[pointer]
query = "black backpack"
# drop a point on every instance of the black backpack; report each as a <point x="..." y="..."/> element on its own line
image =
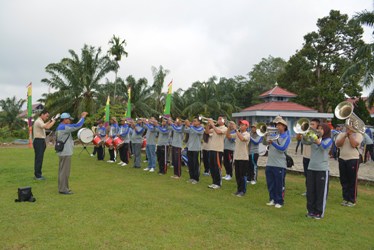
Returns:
<point x="25" y="194"/>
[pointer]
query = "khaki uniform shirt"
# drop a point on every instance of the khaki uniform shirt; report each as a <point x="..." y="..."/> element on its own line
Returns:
<point x="347" y="152"/>
<point x="216" y="143"/>
<point x="241" y="147"/>
<point x="39" y="131"/>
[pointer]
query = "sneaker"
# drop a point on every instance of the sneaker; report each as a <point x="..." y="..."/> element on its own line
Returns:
<point x="206" y="174"/>
<point x="159" y="173"/>
<point x="110" y="161"/>
<point x="236" y="193"/>
<point x="92" y="155"/>
<point x="350" y="204"/>
<point x="211" y="185"/>
<point x="228" y="178"/>
<point x="175" y="177"/>
<point x="270" y="203"/>
<point x="344" y="203"/>
<point x="194" y="182"/>
<point x="41" y="178"/>
<point x="216" y="186"/>
<point x="278" y="205"/>
<point x="303" y="194"/>
<point x="310" y="215"/>
<point x="120" y="163"/>
<point x="240" y="194"/>
<point x="152" y="170"/>
<point x="145" y="161"/>
<point x="146" y="169"/>
<point x="253" y="182"/>
<point x="317" y="216"/>
<point x="124" y="164"/>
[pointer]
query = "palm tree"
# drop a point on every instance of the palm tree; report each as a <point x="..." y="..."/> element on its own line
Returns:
<point x="117" y="50"/>
<point x="159" y="75"/>
<point x="11" y="108"/>
<point x="77" y="80"/>
<point x="363" y="60"/>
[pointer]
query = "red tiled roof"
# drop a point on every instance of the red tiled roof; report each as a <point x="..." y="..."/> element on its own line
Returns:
<point x="278" y="106"/>
<point x="278" y="91"/>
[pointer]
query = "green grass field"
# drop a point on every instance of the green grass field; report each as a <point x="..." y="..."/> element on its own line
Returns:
<point x="125" y="208"/>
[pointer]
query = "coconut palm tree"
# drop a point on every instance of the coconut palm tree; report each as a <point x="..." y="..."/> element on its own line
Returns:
<point x="77" y="80"/>
<point x="117" y="49"/>
<point x="11" y="108"/>
<point x="159" y="75"/>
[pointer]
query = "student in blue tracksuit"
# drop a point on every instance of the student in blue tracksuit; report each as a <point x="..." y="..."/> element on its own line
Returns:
<point x="101" y="132"/>
<point x="150" y="148"/>
<point x="137" y="140"/>
<point x="113" y="131"/>
<point x="162" y="146"/>
<point x="228" y="155"/>
<point x="123" y="150"/>
<point x="276" y="163"/>
<point x="253" y="155"/>
<point x="176" y="146"/>
<point x="317" y="179"/>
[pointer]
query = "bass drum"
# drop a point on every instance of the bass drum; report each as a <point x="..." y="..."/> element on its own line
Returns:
<point x="85" y="135"/>
<point x="262" y="149"/>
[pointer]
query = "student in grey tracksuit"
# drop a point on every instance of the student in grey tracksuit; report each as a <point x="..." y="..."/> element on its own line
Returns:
<point x="228" y="154"/>
<point x="162" y="146"/>
<point x="64" y="130"/>
<point x="253" y="155"/>
<point x="176" y="146"/>
<point x="150" y="148"/>
<point x="194" y="147"/>
<point x="317" y="179"/>
<point x="137" y="141"/>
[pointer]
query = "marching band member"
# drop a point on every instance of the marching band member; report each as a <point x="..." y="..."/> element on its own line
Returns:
<point x="253" y="155"/>
<point x="368" y="147"/>
<point x="216" y="150"/>
<point x="137" y="140"/>
<point x="228" y="153"/>
<point x="308" y="150"/>
<point x="101" y="132"/>
<point x="205" y="151"/>
<point x="276" y="164"/>
<point x="176" y="147"/>
<point x="317" y="179"/>
<point x="113" y="130"/>
<point x="150" y="148"/>
<point x="123" y="133"/>
<point x="162" y="146"/>
<point x="194" y="147"/>
<point x="241" y="159"/>
<point x="348" y="142"/>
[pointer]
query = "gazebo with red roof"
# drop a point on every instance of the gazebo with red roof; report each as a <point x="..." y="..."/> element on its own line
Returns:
<point x="276" y="102"/>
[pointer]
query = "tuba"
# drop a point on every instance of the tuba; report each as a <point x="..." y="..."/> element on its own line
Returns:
<point x="344" y="111"/>
<point x="271" y="133"/>
<point x="302" y="126"/>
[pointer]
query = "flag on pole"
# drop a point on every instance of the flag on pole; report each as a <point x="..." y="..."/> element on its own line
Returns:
<point x="168" y="99"/>
<point x="29" y="111"/>
<point x="128" y="112"/>
<point x="107" y="111"/>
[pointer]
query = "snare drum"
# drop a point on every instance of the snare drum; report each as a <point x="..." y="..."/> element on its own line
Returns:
<point x="85" y="135"/>
<point x="109" y="142"/>
<point x="117" y="142"/>
<point x="97" y="141"/>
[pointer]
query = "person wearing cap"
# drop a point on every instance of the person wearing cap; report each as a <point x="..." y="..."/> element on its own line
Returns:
<point x="216" y="150"/>
<point x="39" y="145"/>
<point x="123" y="133"/>
<point x="317" y="178"/>
<point x="176" y="146"/>
<point x="112" y="132"/>
<point x="195" y="132"/>
<point x="253" y="155"/>
<point x="276" y="163"/>
<point x="137" y="140"/>
<point x="241" y="157"/>
<point x="63" y="131"/>
<point x="228" y="152"/>
<point x="150" y="148"/>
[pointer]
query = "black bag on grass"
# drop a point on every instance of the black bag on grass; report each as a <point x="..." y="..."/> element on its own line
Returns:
<point x="25" y="194"/>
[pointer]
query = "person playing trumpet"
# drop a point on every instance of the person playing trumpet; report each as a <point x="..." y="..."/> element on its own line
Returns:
<point x="228" y="152"/>
<point x="253" y="155"/>
<point x="216" y="150"/>
<point x="176" y="146"/>
<point x="162" y="146"/>
<point x="123" y="133"/>
<point x="276" y="163"/>
<point x="137" y="140"/>
<point x="150" y="148"/>
<point x="241" y="158"/>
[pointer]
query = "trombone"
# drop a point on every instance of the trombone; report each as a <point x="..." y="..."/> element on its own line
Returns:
<point x="269" y="133"/>
<point x="344" y="111"/>
<point x="302" y="126"/>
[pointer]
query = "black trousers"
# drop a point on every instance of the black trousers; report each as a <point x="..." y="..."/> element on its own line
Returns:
<point x="348" y="178"/>
<point x="227" y="161"/>
<point x="162" y="158"/>
<point x="241" y="172"/>
<point x="215" y="161"/>
<point x="206" y="161"/>
<point x="317" y="188"/>
<point x="39" y="149"/>
<point x="176" y="160"/>
<point x="193" y="165"/>
<point x="111" y="154"/>
<point x="124" y="153"/>
<point x="253" y="168"/>
<point x="369" y="148"/>
<point x="305" y="166"/>
<point x="100" y="153"/>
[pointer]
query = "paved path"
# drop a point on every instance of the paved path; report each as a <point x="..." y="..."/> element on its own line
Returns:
<point x="366" y="171"/>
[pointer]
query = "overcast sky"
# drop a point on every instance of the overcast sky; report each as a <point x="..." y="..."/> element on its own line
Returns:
<point x="194" y="39"/>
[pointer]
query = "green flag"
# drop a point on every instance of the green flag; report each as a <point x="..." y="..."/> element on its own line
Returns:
<point x="168" y="99"/>
<point x="107" y="110"/>
<point x="128" y="112"/>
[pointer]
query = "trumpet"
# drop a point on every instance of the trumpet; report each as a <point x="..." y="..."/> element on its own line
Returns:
<point x="167" y="118"/>
<point x="344" y="111"/>
<point x="141" y="118"/>
<point x="271" y="133"/>
<point x="310" y="134"/>
<point x="204" y="119"/>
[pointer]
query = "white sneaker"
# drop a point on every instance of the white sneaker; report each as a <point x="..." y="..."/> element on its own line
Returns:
<point x="146" y="169"/>
<point x="228" y="178"/>
<point x="92" y="155"/>
<point x="216" y="186"/>
<point x="270" y="203"/>
<point x="124" y="164"/>
<point x="110" y="161"/>
<point x="253" y="182"/>
<point x="210" y="186"/>
<point x="278" y="205"/>
<point x="224" y="177"/>
<point x="194" y="182"/>
<point x="120" y="163"/>
<point x="152" y="170"/>
<point x="145" y="161"/>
